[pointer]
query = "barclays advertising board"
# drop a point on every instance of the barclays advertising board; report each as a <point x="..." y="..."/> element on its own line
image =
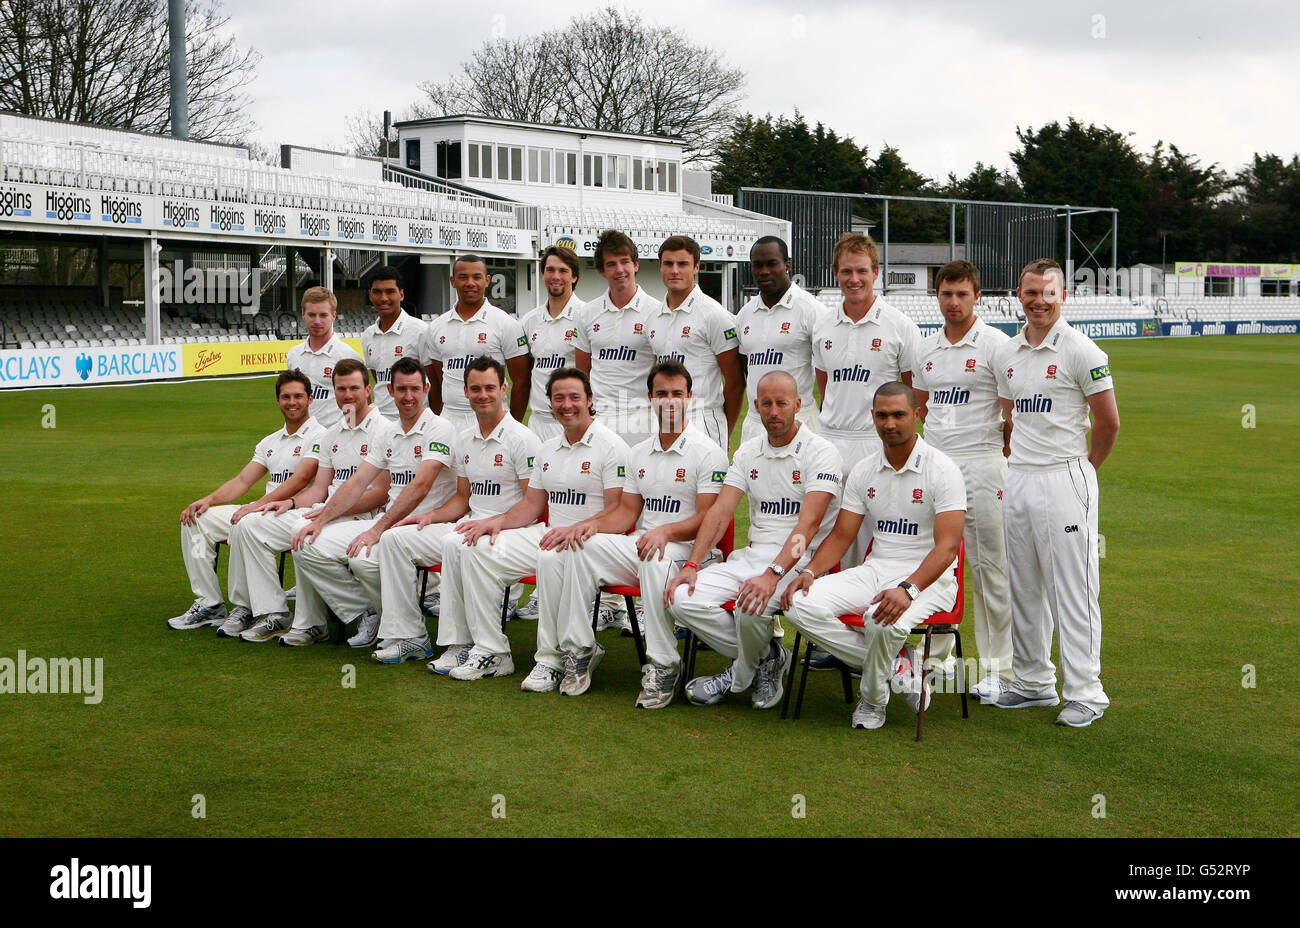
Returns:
<point x="52" y="367"/>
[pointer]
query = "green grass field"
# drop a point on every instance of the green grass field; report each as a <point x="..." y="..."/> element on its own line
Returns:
<point x="1199" y="579"/>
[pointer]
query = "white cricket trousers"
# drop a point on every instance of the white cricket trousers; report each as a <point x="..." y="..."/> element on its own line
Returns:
<point x="713" y="420"/>
<point x="199" y="551"/>
<point x="752" y="426"/>
<point x="396" y="589"/>
<point x="544" y="425"/>
<point x="1050" y="516"/>
<point x="853" y="446"/>
<point x="255" y="545"/>
<point x="986" y="559"/>
<point x="742" y="636"/>
<point x="325" y="582"/>
<point x="873" y="648"/>
<point x="612" y="560"/>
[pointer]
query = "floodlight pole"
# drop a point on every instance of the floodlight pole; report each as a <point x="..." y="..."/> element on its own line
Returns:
<point x="180" y="106"/>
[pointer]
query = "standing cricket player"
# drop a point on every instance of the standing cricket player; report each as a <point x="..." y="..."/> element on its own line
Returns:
<point x="915" y="499"/>
<point x="550" y="330"/>
<point x="472" y="328"/>
<point x="394" y="334"/>
<point x="775" y="329"/>
<point x="956" y="387"/>
<point x="693" y="329"/>
<point x="792" y="478"/>
<point x="1050" y="377"/>
<point x="321" y="350"/>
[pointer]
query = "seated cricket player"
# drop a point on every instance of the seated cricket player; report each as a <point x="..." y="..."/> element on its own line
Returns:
<point x="577" y="477"/>
<point x="259" y="536"/>
<point x="916" y="500"/>
<point x="672" y="479"/>
<point x="492" y="463"/>
<point x="792" y="478"/>
<point x="283" y="456"/>
<point x="337" y="562"/>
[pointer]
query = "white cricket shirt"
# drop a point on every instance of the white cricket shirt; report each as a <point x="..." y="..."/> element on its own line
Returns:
<point x="575" y="477"/>
<point x="550" y="340"/>
<point x="779" y="338"/>
<point x="695" y="333"/>
<point x="1049" y="388"/>
<point x="382" y="349"/>
<point x="858" y="357"/>
<point x="431" y="438"/>
<point x="281" y="451"/>
<point x="319" y="368"/>
<point x="494" y="466"/>
<point x="964" y="416"/>
<point x="618" y="341"/>
<point x="776" y="479"/>
<point x="901" y="504"/>
<point x="668" y="480"/>
<point x="343" y="448"/>
<point x="455" y="342"/>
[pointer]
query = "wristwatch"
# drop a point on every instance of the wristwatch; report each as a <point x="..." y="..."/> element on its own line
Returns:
<point x="777" y="569"/>
<point x="910" y="590"/>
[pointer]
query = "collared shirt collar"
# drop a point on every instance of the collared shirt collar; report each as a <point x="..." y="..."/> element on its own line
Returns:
<point x="420" y="425"/>
<point x="1051" y="341"/>
<point x="477" y="317"/>
<point x="970" y="338"/>
<point x="607" y="304"/>
<point x="498" y="431"/>
<point x="327" y="348"/>
<point x="684" y="305"/>
<point x="584" y="440"/>
<point x="785" y="450"/>
<point x="374" y="411"/>
<point x="674" y="448"/>
<point x="919" y="451"/>
<point x="307" y="423"/>
<point x="872" y="315"/>
<point x="786" y="301"/>
<point x="396" y="328"/>
<point x="565" y="313"/>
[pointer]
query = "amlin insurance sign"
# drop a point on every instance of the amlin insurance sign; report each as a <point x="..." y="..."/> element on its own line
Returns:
<point x="53" y="367"/>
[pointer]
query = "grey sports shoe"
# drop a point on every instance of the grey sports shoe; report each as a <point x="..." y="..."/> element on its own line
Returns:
<point x="405" y="649"/>
<point x="1077" y="715"/>
<point x="291" y="594"/>
<point x="198" y="616"/>
<point x="238" y="622"/>
<point x="432" y="604"/>
<point x="532" y="610"/>
<point x="1010" y="699"/>
<point x="271" y="625"/>
<point x="868" y="716"/>
<point x="609" y="618"/>
<point x="481" y="664"/>
<point x="300" y="637"/>
<point x="578" y="668"/>
<point x="769" y="681"/>
<point x="709" y="691"/>
<point x="452" y="657"/>
<point x="625" y="627"/>
<point x="367" y="631"/>
<point x="541" y="679"/>
<point x="657" y="686"/>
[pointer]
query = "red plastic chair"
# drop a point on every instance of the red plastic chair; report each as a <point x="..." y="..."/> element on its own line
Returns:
<point x="939" y="623"/>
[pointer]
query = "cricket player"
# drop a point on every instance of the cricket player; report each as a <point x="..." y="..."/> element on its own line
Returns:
<point x="492" y="464"/>
<point x="861" y="346"/>
<point x="612" y="344"/>
<point x="915" y="497"/>
<point x="337" y="562"/>
<point x="257" y="538"/>
<point x="1050" y="377"/>
<point x="956" y="387"/>
<point x="577" y="479"/>
<point x="693" y="328"/>
<point x="792" y="478"/>
<point x="394" y="334"/>
<point x="473" y="327"/>
<point x="775" y="329"/>
<point x="283" y="457"/>
<point x="321" y="350"/>
<point x="672" y="480"/>
<point x="550" y="330"/>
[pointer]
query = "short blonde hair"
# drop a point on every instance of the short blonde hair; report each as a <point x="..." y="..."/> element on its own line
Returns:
<point x="1042" y="267"/>
<point x="857" y="244"/>
<point x="320" y="295"/>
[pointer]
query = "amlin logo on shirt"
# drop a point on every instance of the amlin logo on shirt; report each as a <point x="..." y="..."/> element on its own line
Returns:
<point x="104" y="881"/>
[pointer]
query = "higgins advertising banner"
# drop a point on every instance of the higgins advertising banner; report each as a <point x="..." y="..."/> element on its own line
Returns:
<point x="52" y="367"/>
<point x="215" y="359"/>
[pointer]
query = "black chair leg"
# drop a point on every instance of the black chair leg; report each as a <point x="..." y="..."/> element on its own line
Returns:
<point x="282" y="554"/>
<point x="424" y="582"/>
<point x="789" y="683"/>
<point x="636" y="630"/>
<point x="920" y="715"/>
<point x="803" y="679"/>
<point x="505" y="607"/>
<point x="961" y="669"/>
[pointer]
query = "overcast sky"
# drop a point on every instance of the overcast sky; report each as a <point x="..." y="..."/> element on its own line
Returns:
<point x="946" y="82"/>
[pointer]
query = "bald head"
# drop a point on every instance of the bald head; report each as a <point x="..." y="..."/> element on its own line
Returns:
<point x="778" y="380"/>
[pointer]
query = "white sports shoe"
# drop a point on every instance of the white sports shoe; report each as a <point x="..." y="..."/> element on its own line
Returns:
<point x="451" y="658"/>
<point x="542" y="679"/>
<point x="236" y="623"/>
<point x="405" y="649"/>
<point x="610" y="618"/>
<point x="481" y="664"/>
<point x="199" y="616"/>
<point x="432" y="604"/>
<point x="271" y="625"/>
<point x="367" y="631"/>
<point x="300" y="637"/>
<point x="868" y="716"/>
<point x="989" y="689"/>
<point x="532" y="610"/>
<point x="625" y="627"/>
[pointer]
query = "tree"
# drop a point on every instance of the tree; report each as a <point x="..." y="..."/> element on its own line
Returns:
<point x="105" y="62"/>
<point x="1264" y="211"/>
<point x="984" y="182"/>
<point x="364" y="131"/>
<point x="786" y="153"/>
<point x="1179" y="205"/>
<point x="609" y="71"/>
